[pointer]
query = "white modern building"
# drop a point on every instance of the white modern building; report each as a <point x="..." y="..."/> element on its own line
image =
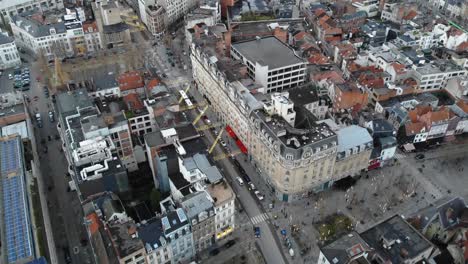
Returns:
<point x="64" y="37"/>
<point x="371" y="7"/>
<point x="9" y="56"/>
<point x="434" y="75"/>
<point x="10" y="8"/>
<point x="270" y="63"/>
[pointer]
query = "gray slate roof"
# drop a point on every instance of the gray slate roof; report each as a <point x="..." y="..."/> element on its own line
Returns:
<point x="268" y="51"/>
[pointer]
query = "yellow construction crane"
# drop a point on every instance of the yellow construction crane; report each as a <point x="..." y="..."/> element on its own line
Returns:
<point x="133" y="21"/>
<point x="59" y="78"/>
<point x="216" y="141"/>
<point x="185" y="91"/>
<point x="200" y="115"/>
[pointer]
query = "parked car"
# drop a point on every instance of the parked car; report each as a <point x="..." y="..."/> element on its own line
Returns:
<point x="245" y="177"/>
<point x="230" y="243"/>
<point x="10" y="76"/>
<point x="419" y="156"/>
<point x="251" y="186"/>
<point x="214" y="252"/>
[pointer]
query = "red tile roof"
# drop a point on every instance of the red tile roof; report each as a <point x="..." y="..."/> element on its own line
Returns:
<point x="411" y="15"/>
<point x="462" y="47"/>
<point x="300" y="35"/>
<point x="133" y="101"/>
<point x="333" y="76"/>
<point x="90" y="27"/>
<point x="414" y="128"/>
<point x="95" y="223"/>
<point x="318" y="59"/>
<point x="463" y="105"/>
<point x="152" y="83"/>
<point x="398" y="67"/>
<point x="130" y="81"/>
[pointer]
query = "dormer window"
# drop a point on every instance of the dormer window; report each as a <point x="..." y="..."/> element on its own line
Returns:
<point x="52" y="31"/>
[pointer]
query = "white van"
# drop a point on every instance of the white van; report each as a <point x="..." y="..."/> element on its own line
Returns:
<point x="240" y="181"/>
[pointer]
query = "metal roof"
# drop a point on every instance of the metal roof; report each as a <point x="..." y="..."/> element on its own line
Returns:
<point x="17" y="226"/>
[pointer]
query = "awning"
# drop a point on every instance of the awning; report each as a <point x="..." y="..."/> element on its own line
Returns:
<point x="230" y="132"/>
<point x="241" y="146"/>
<point x="374" y="166"/>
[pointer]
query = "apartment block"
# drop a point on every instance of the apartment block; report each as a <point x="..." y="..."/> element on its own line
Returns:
<point x="292" y="159"/>
<point x="10" y="9"/>
<point x="9" y="56"/>
<point x="271" y="63"/>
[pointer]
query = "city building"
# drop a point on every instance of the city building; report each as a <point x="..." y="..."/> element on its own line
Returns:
<point x="392" y="241"/>
<point x="155" y="19"/>
<point x="92" y="37"/>
<point x="176" y="9"/>
<point x="18" y="244"/>
<point x="290" y="151"/>
<point x="399" y="12"/>
<point x="271" y="63"/>
<point x="354" y="151"/>
<point x="178" y="232"/>
<point x="12" y="109"/>
<point x="308" y="98"/>
<point x="199" y="209"/>
<point x="157" y="246"/>
<point x="91" y="144"/>
<point x="49" y="35"/>
<point x="434" y="76"/>
<point x="348" y="249"/>
<point x="131" y="82"/>
<point x="141" y="122"/>
<point x="9" y="9"/>
<point x="128" y="247"/>
<point x="114" y="31"/>
<point x="9" y="56"/>
<point x="225" y="208"/>
<point x="371" y="7"/>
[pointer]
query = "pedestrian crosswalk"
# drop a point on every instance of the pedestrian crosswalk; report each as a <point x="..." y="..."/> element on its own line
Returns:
<point x="259" y="218"/>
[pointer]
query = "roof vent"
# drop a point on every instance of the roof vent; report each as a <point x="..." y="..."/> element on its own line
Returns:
<point x="335" y="260"/>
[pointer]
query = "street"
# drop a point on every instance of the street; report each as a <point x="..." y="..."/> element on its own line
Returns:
<point x="65" y="209"/>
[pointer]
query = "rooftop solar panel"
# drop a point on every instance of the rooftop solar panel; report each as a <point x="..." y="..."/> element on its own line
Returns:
<point x="16" y="215"/>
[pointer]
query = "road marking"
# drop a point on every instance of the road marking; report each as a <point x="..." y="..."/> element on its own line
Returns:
<point x="400" y="156"/>
<point x="259" y="218"/>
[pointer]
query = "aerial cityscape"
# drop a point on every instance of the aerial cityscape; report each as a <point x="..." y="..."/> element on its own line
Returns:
<point x="233" y="131"/>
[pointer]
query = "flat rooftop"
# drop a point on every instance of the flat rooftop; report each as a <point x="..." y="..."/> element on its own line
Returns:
<point x="220" y="192"/>
<point x="406" y="242"/>
<point x="124" y="242"/>
<point x="268" y="51"/>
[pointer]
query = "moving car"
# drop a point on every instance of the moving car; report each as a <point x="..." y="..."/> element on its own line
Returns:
<point x="239" y="180"/>
<point x="51" y="116"/>
<point x="223" y="143"/>
<point x="214" y="252"/>
<point x="230" y="243"/>
<point x="257" y="231"/>
<point x="259" y="195"/>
